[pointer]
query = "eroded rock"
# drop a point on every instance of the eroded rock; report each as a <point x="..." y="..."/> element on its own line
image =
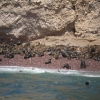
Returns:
<point x="32" y="19"/>
<point x="37" y="19"/>
<point x="87" y="18"/>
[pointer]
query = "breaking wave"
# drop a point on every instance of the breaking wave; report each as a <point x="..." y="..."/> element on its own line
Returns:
<point x="33" y="70"/>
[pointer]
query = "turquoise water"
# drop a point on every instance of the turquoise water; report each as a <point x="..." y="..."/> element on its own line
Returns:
<point x="40" y="84"/>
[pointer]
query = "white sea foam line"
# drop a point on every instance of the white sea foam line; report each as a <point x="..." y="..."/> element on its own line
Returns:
<point x="91" y="75"/>
<point x="24" y="69"/>
<point x="32" y="70"/>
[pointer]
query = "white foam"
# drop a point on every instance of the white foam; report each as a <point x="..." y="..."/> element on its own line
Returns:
<point x="33" y="70"/>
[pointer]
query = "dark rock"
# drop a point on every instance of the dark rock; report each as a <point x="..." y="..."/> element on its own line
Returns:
<point x="27" y="44"/>
<point x="0" y="60"/>
<point x="92" y="50"/>
<point x="48" y="49"/>
<point x="87" y="55"/>
<point x="98" y="58"/>
<point x="20" y="71"/>
<point x="40" y="54"/>
<point x="95" y="58"/>
<point x="24" y="49"/>
<point x="56" y="55"/>
<point x="66" y="66"/>
<point x="10" y="55"/>
<point x="18" y="42"/>
<point x="51" y="53"/>
<point x="33" y="54"/>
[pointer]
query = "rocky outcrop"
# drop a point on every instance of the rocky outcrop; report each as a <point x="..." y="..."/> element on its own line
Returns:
<point x="32" y="19"/>
<point x="36" y="18"/>
<point x="87" y="17"/>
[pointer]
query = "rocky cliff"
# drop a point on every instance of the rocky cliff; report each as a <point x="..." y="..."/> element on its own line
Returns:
<point x="36" y="19"/>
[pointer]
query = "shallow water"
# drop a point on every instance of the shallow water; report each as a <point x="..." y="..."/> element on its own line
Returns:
<point x="41" y="84"/>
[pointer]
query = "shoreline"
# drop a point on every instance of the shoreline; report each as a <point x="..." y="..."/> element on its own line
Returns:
<point x="39" y="62"/>
<point x="50" y="57"/>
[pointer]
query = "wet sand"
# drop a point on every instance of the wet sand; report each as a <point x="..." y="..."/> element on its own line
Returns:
<point x="39" y="62"/>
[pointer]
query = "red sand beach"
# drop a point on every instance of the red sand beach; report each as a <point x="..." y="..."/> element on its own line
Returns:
<point x="39" y="62"/>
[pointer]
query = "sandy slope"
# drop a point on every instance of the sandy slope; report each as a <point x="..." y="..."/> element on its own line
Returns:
<point x="69" y="39"/>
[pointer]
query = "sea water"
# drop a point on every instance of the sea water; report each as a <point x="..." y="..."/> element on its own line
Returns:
<point x="28" y="83"/>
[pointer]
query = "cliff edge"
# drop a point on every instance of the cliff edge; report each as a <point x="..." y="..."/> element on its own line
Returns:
<point x="52" y="22"/>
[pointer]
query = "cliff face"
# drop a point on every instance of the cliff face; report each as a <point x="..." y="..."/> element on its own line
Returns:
<point x="33" y="19"/>
<point x="87" y="17"/>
